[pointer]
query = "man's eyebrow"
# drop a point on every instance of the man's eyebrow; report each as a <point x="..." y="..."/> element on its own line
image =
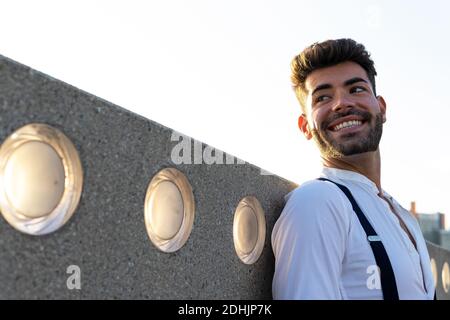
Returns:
<point x="348" y="82"/>
<point x="351" y="81"/>
<point x="321" y="87"/>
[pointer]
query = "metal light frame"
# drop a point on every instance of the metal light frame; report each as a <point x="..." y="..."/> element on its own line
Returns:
<point x="252" y="203"/>
<point x="180" y="181"/>
<point x="73" y="182"/>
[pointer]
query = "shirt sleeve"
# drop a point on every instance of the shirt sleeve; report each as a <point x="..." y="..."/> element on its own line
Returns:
<point x="309" y="241"/>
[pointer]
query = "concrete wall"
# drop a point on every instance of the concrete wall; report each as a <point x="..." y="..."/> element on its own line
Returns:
<point x="441" y="257"/>
<point x="120" y="153"/>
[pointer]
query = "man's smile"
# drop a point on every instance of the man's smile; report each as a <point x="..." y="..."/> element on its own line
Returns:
<point x="348" y="127"/>
<point x="346" y="123"/>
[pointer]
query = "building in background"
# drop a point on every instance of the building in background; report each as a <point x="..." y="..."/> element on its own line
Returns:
<point x="432" y="226"/>
<point x="445" y="239"/>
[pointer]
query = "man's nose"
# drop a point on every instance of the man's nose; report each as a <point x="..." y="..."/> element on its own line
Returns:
<point x="343" y="102"/>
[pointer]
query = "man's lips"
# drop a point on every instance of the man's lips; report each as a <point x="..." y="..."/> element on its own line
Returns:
<point x="346" y="123"/>
<point x="350" y="129"/>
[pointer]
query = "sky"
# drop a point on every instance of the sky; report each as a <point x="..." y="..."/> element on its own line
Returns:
<point x="218" y="71"/>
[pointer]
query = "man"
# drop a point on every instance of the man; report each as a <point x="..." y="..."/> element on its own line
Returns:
<point x="344" y="237"/>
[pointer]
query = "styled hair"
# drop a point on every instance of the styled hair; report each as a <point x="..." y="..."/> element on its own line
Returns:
<point x="326" y="54"/>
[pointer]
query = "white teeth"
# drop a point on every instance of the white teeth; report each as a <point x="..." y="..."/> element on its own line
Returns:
<point x="347" y="124"/>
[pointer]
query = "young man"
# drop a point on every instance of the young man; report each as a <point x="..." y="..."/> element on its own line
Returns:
<point x="344" y="237"/>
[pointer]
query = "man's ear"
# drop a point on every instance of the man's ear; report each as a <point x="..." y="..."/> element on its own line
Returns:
<point x="382" y="105"/>
<point x="303" y="126"/>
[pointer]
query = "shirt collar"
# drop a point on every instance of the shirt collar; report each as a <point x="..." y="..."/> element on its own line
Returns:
<point x="342" y="174"/>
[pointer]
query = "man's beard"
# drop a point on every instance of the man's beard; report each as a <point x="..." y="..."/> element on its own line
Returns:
<point x="331" y="148"/>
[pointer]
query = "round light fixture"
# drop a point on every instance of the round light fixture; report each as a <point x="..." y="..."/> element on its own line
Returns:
<point x="41" y="179"/>
<point x="169" y="210"/>
<point x="445" y="277"/>
<point x="434" y="271"/>
<point x="249" y="230"/>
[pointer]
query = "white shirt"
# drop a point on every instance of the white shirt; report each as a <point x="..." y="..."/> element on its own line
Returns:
<point x="321" y="249"/>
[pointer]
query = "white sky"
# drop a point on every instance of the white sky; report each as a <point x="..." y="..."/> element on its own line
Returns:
<point x="219" y="71"/>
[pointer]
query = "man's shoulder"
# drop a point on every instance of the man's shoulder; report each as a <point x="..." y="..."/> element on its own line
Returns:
<point x="315" y="205"/>
<point x="315" y="191"/>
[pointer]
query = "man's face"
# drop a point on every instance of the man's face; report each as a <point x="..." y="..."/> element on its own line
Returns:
<point x="343" y="115"/>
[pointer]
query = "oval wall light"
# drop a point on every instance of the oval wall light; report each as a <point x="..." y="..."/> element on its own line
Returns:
<point x="169" y="210"/>
<point x="41" y="179"/>
<point x="434" y="271"/>
<point x="249" y="230"/>
<point x="445" y="277"/>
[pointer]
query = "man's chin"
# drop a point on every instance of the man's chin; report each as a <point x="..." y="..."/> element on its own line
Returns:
<point x="346" y="149"/>
<point x="355" y="150"/>
<point x="347" y="145"/>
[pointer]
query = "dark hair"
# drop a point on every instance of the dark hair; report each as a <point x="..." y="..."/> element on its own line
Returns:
<point x="326" y="54"/>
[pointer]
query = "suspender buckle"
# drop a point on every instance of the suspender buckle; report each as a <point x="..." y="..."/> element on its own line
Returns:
<point x="373" y="238"/>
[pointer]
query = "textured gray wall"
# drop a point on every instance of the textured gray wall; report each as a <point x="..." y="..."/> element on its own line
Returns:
<point x="120" y="153"/>
<point x="441" y="256"/>
<point x="106" y="237"/>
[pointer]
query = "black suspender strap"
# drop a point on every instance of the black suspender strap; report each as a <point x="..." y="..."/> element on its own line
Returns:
<point x="387" y="277"/>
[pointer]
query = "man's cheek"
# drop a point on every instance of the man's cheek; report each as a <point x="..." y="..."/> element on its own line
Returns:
<point x="319" y="126"/>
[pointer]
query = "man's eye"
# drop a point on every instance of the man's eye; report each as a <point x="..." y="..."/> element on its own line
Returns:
<point x="322" y="98"/>
<point x="357" y="89"/>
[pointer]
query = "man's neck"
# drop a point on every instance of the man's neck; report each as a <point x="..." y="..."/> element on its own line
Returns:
<point x="367" y="164"/>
